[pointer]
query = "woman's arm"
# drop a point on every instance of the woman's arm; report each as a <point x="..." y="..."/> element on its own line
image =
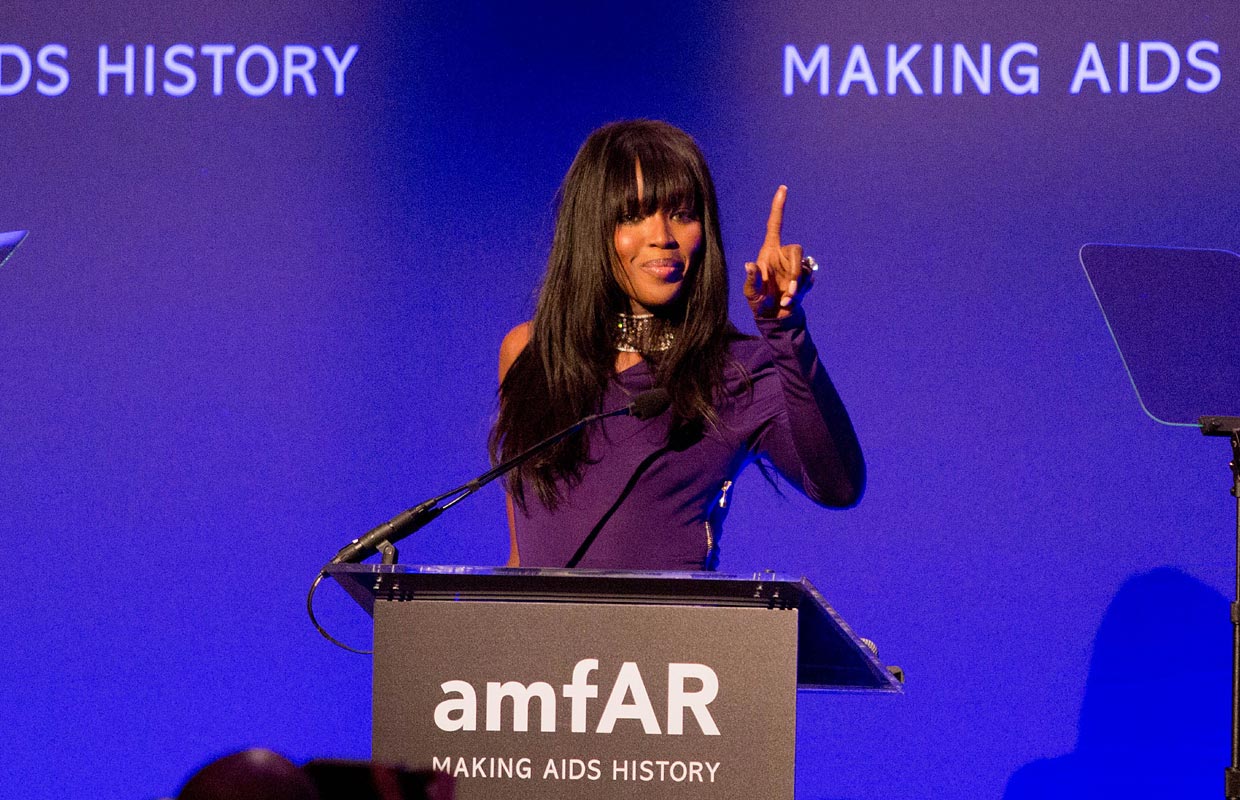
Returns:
<point x="514" y="342"/>
<point x="808" y="435"/>
<point x="813" y="442"/>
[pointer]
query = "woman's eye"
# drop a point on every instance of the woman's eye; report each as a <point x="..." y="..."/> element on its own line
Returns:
<point x="685" y="215"/>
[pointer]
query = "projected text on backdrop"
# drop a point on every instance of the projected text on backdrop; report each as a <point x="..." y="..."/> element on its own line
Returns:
<point x="1147" y="67"/>
<point x="252" y="70"/>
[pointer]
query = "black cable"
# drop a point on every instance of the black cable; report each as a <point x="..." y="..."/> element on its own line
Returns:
<point x="310" y="608"/>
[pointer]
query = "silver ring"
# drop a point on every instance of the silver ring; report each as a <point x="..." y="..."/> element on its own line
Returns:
<point x="809" y="263"/>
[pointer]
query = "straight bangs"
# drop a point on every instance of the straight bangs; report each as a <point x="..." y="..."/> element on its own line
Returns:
<point x="671" y="178"/>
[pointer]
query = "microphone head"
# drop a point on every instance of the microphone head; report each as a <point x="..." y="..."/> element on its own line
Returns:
<point x="650" y="404"/>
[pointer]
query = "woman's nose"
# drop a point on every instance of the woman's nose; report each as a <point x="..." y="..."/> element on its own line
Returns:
<point x="661" y="234"/>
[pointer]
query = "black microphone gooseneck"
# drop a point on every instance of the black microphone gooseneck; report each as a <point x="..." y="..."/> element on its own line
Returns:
<point x="645" y="406"/>
<point x="383" y="538"/>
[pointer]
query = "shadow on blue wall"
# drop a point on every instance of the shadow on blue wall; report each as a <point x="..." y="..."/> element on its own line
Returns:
<point x="1155" y="718"/>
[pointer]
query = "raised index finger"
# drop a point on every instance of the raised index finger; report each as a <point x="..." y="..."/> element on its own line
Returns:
<point x="775" y="222"/>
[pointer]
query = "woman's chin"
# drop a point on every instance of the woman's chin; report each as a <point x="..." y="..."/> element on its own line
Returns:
<point x="661" y="304"/>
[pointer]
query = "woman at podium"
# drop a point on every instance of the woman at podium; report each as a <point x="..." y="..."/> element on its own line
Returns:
<point x="635" y="297"/>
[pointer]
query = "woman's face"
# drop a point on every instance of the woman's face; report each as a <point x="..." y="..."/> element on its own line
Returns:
<point x="655" y="253"/>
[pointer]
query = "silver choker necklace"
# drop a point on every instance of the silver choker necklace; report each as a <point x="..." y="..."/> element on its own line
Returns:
<point x="641" y="333"/>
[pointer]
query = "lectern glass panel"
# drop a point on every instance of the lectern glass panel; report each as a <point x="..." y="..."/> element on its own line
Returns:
<point x="830" y="656"/>
<point x="8" y="243"/>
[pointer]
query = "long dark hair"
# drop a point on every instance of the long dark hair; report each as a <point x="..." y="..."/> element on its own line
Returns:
<point x="563" y="372"/>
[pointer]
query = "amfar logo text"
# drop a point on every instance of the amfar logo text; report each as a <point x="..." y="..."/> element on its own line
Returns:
<point x="628" y="700"/>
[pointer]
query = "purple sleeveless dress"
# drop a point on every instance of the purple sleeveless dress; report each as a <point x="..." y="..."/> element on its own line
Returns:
<point x="647" y="503"/>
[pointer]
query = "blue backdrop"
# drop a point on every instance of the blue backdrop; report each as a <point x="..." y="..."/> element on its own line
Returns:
<point x="249" y="325"/>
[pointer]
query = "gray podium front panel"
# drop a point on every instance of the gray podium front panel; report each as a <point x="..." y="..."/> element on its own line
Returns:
<point x="507" y="697"/>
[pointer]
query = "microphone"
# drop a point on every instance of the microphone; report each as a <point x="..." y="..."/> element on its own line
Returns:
<point x="647" y="405"/>
<point x="651" y="404"/>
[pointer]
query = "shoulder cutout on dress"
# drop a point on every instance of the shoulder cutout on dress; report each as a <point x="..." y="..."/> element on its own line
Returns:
<point x="514" y="342"/>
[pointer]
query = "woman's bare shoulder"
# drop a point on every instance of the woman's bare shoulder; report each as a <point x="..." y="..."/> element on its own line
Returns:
<point x="514" y="342"/>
